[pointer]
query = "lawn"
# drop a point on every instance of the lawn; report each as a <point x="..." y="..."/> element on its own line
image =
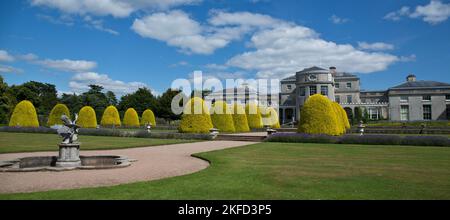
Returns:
<point x="294" y="171"/>
<point x="30" y="142"/>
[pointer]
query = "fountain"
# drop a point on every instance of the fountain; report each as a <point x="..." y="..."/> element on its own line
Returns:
<point x="69" y="155"/>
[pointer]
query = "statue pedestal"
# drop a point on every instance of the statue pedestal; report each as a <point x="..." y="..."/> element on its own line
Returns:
<point x="69" y="155"/>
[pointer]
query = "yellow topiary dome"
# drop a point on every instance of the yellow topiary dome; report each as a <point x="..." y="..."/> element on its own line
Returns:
<point x="148" y="117"/>
<point x="240" y="119"/>
<point x="55" y="115"/>
<point x="131" y="118"/>
<point x="221" y="117"/>
<point x="253" y="116"/>
<point x="342" y="116"/>
<point x="24" y="115"/>
<point x="269" y="117"/>
<point x="111" y="117"/>
<point x="195" y="118"/>
<point x="318" y="117"/>
<point x="340" y="121"/>
<point x="87" y="118"/>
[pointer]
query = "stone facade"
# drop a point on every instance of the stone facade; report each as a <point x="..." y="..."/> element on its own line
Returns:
<point x="424" y="100"/>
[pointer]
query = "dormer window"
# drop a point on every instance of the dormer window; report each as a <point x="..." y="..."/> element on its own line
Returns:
<point x="349" y="85"/>
<point x="289" y="87"/>
<point x="426" y="98"/>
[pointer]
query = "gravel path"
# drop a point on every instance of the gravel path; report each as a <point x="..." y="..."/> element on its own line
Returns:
<point x="153" y="163"/>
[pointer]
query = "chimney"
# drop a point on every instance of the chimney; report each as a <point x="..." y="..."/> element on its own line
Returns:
<point x="333" y="70"/>
<point x="411" y="78"/>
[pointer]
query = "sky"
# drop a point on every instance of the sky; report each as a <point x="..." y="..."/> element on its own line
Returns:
<point x="124" y="45"/>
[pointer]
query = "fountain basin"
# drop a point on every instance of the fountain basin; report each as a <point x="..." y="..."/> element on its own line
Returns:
<point x="49" y="163"/>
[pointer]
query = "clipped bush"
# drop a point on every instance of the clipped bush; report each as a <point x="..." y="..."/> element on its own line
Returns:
<point x="221" y="117"/>
<point x="55" y="115"/>
<point x="24" y="115"/>
<point x="318" y="117"/>
<point x="253" y="116"/>
<point x="302" y="138"/>
<point x="195" y="118"/>
<point x="340" y="120"/>
<point x="111" y="117"/>
<point x="148" y="117"/>
<point x="270" y="117"/>
<point x="131" y="118"/>
<point x="371" y="139"/>
<point x="240" y="119"/>
<point x="87" y="118"/>
<point x="344" y="117"/>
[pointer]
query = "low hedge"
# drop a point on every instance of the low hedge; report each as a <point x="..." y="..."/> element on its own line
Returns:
<point x="111" y="132"/>
<point x="440" y="141"/>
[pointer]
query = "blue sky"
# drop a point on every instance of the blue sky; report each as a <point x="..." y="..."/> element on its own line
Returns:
<point x="124" y="45"/>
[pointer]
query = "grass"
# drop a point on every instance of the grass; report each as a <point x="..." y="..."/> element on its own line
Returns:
<point x="30" y="142"/>
<point x="293" y="171"/>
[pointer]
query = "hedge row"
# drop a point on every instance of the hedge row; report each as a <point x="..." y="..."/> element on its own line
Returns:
<point x="110" y="132"/>
<point x="364" y="139"/>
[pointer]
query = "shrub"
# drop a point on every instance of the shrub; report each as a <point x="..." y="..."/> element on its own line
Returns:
<point x="221" y="117"/>
<point x="371" y="139"/>
<point x="55" y="115"/>
<point x="253" y="116"/>
<point x="302" y="138"/>
<point x="269" y="117"/>
<point x="426" y="141"/>
<point x="111" y="117"/>
<point x="24" y="115"/>
<point x="240" y="118"/>
<point x="148" y="117"/>
<point x="195" y="118"/>
<point x="344" y="117"/>
<point x="87" y="118"/>
<point x="318" y="117"/>
<point x="131" y="118"/>
<point x="339" y="117"/>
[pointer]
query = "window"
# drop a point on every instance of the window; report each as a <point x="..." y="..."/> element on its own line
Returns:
<point x="324" y="90"/>
<point x="337" y="85"/>
<point x="448" y="112"/>
<point x="302" y="91"/>
<point x="427" y="112"/>
<point x="403" y="98"/>
<point x="426" y="98"/>
<point x="349" y="85"/>
<point x="373" y="113"/>
<point x="312" y="90"/>
<point x="447" y="97"/>
<point x="404" y="113"/>
<point x="289" y="87"/>
<point x="338" y="99"/>
<point x="349" y="99"/>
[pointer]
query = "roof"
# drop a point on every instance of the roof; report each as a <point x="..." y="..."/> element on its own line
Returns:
<point x="290" y="78"/>
<point x="313" y="69"/>
<point x="421" y="84"/>
<point x="344" y="74"/>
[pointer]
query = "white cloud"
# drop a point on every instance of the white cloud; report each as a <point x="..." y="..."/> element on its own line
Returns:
<point x="378" y="46"/>
<point x="281" y="51"/>
<point x="433" y="13"/>
<point x="28" y="57"/>
<point x="214" y="66"/>
<point x="63" y="19"/>
<point x="80" y="83"/>
<point x="178" y="29"/>
<point x="67" y="65"/>
<point x="9" y="69"/>
<point x="98" y="25"/>
<point x="337" y="20"/>
<point x="115" y="8"/>
<point x="5" y="56"/>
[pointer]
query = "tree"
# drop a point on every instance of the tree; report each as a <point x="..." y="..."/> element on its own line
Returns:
<point x="253" y="116"/>
<point x="55" y="115"/>
<point x="96" y="99"/>
<point x="140" y="100"/>
<point x="87" y="117"/>
<point x="221" y="117"/>
<point x="195" y="118"/>
<point x="164" y="101"/>
<point x="318" y="117"/>
<point x="111" y="117"/>
<point x="240" y="118"/>
<point x="131" y="118"/>
<point x="148" y="117"/>
<point x="112" y="100"/>
<point x="5" y="102"/>
<point x="358" y="115"/>
<point x="24" y="115"/>
<point x="72" y="101"/>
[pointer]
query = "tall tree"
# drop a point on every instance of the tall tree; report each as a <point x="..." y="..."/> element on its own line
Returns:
<point x="5" y="102"/>
<point x="140" y="100"/>
<point x="112" y="100"/>
<point x="164" y="109"/>
<point x="73" y="102"/>
<point x="96" y="99"/>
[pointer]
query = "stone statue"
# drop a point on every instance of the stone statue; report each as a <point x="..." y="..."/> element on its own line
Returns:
<point x="69" y="131"/>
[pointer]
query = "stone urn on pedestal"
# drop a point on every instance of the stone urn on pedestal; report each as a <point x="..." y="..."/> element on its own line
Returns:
<point x="69" y="148"/>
